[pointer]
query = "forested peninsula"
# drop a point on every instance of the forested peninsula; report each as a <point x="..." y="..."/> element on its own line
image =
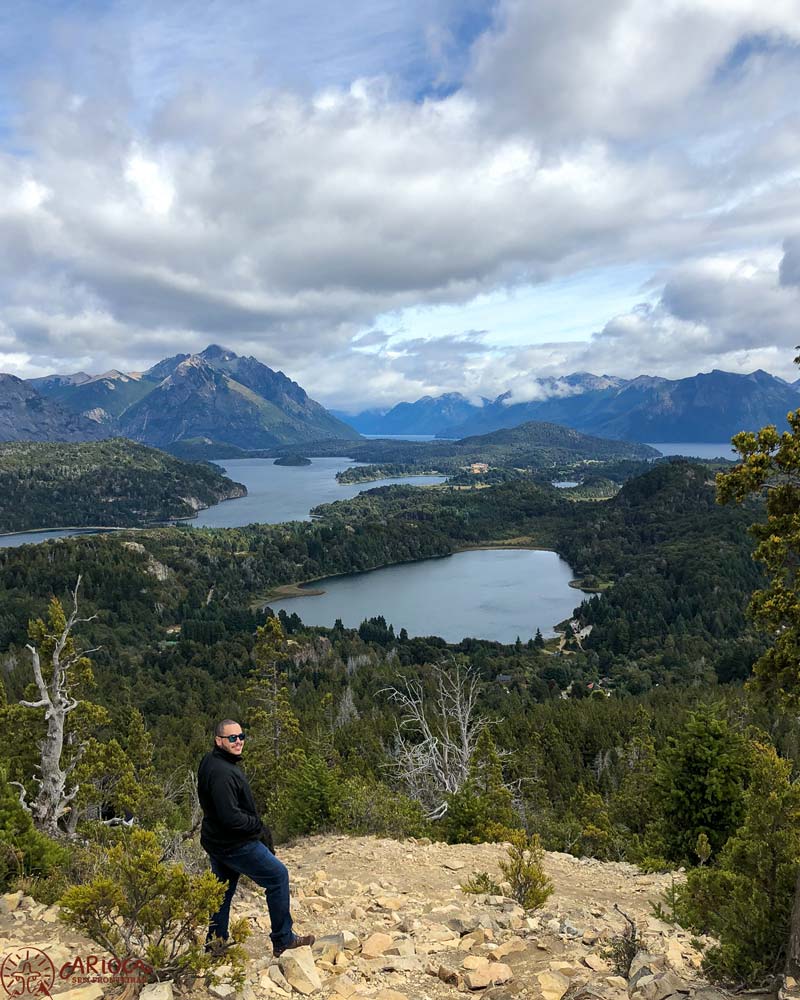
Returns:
<point x="111" y="483"/>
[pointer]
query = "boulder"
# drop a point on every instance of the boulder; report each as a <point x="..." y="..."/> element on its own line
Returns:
<point x="327" y="947"/>
<point x="267" y="985"/>
<point x="392" y="963"/>
<point x="447" y="975"/>
<point x="278" y="978"/>
<point x="510" y="947"/>
<point x="644" y="964"/>
<point x="10" y="901"/>
<point x="298" y="967"/>
<point x="157" y="991"/>
<point x="219" y="990"/>
<point x="474" y="962"/>
<point x="375" y="945"/>
<point x="553" y="985"/>
<point x="659" y="987"/>
<point x="389" y="903"/>
<point x="491" y="974"/>
<point x="343" y="987"/>
<point x="674" y="953"/>
<point x="464" y="922"/>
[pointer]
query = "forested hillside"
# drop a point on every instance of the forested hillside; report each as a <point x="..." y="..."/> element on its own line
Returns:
<point x="680" y="563"/>
<point x="599" y="738"/>
<point x="105" y="483"/>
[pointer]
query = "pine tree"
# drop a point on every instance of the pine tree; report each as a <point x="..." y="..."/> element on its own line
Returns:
<point x="483" y="809"/>
<point x="701" y="780"/>
<point x="273" y="729"/>
<point x="745" y="900"/>
<point x="23" y="850"/>
<point x="770" y="467"/>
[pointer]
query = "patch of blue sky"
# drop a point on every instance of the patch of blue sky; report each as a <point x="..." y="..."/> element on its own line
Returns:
<point x="563" y="310"/>
<point x="751" y="46"/>
<point x="421" y="46"/>
<point x="303" y="45"/>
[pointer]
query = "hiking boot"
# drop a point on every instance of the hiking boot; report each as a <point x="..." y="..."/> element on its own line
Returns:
<point x="298" y="941"/>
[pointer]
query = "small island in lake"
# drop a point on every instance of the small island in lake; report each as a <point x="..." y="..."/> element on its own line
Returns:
<point x="292" y="460"/>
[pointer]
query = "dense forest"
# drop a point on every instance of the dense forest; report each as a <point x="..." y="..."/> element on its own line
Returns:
<point x="594" y="741"/>
<point x="104" y="483"/>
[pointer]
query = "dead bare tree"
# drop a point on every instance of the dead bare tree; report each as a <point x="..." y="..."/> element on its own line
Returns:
<point x="436" y="738"/>
<point x="56" y="647"/>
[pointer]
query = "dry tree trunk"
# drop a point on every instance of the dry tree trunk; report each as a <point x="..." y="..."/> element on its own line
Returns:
<point x="792" y="967"/>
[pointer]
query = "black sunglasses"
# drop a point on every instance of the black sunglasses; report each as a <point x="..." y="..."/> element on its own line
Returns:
<point x="233" y="738"/>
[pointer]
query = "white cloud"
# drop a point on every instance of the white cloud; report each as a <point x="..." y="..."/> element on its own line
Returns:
<point x="152" y="210"/>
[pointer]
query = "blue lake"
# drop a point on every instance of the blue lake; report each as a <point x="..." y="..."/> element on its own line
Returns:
<point x="275" y="493"/>
<point x="494" y="594"/>
<point x="695" y="449"/>
<point x="287" y="492"/>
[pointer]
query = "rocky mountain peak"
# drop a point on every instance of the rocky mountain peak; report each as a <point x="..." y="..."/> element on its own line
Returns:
<point x="215" y="352"/>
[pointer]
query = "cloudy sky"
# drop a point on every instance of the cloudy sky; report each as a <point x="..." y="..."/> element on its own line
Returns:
<point x="387" y="198"/>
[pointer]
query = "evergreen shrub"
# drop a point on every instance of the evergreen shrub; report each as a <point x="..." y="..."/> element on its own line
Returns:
<point x="365" y="806"/>
<point x="745" y="899"/>
<point x="142" y="907"/>
<point x="530" y="886"/>
<point x="24" y="851"/>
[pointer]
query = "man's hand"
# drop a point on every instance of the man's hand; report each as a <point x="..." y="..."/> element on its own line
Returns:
<point x="266" y="838"/>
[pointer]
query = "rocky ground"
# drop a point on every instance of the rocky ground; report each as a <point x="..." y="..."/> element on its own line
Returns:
<point x="393" y="924"/>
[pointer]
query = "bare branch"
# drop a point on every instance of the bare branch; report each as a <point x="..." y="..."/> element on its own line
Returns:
<point x="22" y="795"/>
<point x="53" y="795"/>
<point x="435" y="739"/>
<point x="37" y="675"/>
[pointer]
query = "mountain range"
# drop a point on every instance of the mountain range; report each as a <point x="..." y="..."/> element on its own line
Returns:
<point x="217" y="399"/>
<point x="710" y="406"/>
<point x="214" y="396"/>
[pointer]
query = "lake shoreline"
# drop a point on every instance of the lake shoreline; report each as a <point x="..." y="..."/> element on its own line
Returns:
<point x="490" y="591"/>
<point x="289" y="591"/>
<point x="83" y="528"/>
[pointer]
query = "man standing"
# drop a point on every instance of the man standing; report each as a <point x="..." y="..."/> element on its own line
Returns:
<point x="237" y="842"/>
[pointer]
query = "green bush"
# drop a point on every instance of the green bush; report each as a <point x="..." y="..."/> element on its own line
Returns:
<point x="745" y="900"/>
<point x="529" y="885"/>
<point x="623" y="948"/>
<point x="306" y="802"/>
<point x="483" y="803"/>
<point x="701" y="780"/>
<point x="145" y="908"/>
<point x="24" y="851"/>
<point x="480" y="883"/>
<point x="364" y="806"/>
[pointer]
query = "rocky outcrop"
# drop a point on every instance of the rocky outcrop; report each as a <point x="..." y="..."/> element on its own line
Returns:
<point x="392" y="924"/>
<point x="25" y="415"/>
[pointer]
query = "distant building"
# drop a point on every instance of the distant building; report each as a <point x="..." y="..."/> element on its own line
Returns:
<point x="477" y="467"/>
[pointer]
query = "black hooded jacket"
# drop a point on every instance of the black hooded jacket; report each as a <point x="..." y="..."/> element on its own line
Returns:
<point x="230" y="817"/>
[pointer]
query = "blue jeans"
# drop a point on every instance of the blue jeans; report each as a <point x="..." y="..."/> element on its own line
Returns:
<point x="260" y="864"/>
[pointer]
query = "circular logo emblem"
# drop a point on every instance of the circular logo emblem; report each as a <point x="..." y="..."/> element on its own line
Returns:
<point x="27" y="972"/>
